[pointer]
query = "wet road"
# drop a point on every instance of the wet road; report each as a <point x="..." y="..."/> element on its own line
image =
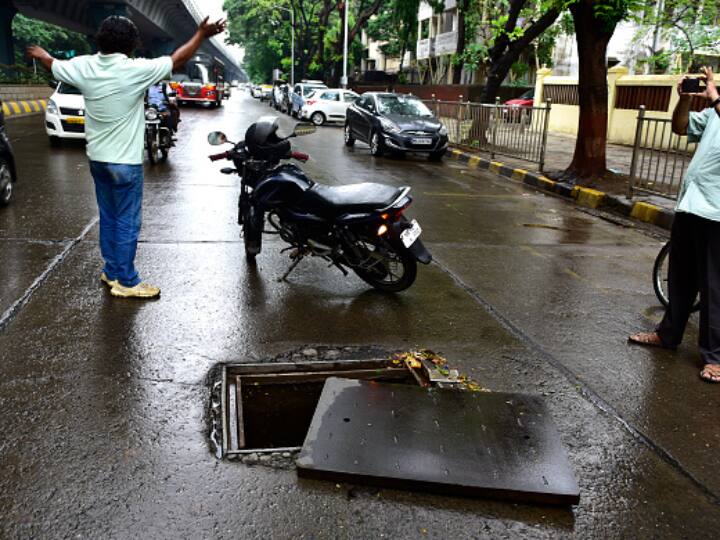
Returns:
<point x="103" y="401"/>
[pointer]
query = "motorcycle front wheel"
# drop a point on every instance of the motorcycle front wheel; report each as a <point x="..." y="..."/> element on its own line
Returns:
<point x="154" y="152"/>
<point x="387" y="268"/>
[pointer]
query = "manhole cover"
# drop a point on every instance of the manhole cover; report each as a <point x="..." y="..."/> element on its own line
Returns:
<point x="462" y="443"/>
<point x="269" y="407"/>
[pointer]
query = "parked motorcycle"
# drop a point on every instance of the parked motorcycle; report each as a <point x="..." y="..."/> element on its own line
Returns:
<point x="361" y="227"/>
<point x="158" y="135"/>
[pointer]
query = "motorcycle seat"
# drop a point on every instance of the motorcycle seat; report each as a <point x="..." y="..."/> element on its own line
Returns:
<point x="352" y="198"/>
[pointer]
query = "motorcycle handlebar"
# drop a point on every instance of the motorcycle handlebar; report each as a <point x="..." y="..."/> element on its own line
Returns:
<point x="300" y="156"/>
<point x="216" y="157"/>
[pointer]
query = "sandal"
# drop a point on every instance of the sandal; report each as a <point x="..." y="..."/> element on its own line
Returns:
<point x="648" y="339"/>
<point x="711" y="373"/>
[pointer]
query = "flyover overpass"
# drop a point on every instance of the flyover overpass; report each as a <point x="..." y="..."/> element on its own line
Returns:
<point x="163" y="24"/>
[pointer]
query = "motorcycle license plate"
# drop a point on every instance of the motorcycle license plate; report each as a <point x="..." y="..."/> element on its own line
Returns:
<point x="409" y="235"/>
<point x="421" y="140"/>
<point x="75" y="120"/>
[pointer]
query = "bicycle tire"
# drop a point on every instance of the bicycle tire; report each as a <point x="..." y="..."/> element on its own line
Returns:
<point x="660" y="281"/>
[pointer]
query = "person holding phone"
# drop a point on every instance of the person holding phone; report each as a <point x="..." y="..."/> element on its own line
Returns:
<point x="694" y="265"/>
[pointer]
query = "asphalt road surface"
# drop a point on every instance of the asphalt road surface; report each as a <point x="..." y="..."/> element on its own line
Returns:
<point x="103" y="429"/>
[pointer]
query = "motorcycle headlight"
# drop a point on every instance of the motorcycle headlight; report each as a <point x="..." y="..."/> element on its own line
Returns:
<point x="389" y="126"/>
<point x="52" y="107"/>
<point x="443" y="130"/>
<point x="151" y="114"/>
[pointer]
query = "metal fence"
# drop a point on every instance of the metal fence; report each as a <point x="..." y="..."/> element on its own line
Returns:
<point x="508" y="130"/>
<point x="660" y="157"/>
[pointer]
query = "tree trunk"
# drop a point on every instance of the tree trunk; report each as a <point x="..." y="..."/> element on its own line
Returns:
<point x="458" y="67"/>
<point x="592" y="39"/>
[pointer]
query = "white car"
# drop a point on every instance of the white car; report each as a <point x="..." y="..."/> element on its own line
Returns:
<point x="327" y="105"/>
<point x="65" y="114"/>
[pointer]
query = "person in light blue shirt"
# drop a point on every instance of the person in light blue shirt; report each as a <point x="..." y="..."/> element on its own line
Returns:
<point x="113" y="85"/>
<point x="694" y="265"/>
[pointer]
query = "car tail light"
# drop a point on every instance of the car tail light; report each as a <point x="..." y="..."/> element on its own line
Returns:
<point x="209" y="87"/>
<point x="311" y="102"/>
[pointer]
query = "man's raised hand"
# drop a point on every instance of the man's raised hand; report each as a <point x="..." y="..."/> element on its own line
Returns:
<point x="209" y="29"/>
<point x="38" y="53"/>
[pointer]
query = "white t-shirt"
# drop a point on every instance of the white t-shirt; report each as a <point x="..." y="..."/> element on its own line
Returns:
<point x="113" y="86"/>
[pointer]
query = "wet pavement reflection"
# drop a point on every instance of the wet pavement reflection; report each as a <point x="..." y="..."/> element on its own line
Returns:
<point x="103" y="401"/>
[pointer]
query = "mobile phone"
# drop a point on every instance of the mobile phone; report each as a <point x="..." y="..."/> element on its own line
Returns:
<point x="690" y="86"/>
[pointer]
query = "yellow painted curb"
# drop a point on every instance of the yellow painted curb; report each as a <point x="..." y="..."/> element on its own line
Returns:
<point x="495" y="166"/>
<point x="474" y="162"/>
<point x="645" y="212"/>
<point x="519" y="174"/>
<point x="544" y="180"/>
<point x="15" y="108"/>
<point x="588" y="197"/>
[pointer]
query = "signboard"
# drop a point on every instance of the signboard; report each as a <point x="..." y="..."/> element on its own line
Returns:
<point x="446" y="43"/>
<point x="424" y="49"/>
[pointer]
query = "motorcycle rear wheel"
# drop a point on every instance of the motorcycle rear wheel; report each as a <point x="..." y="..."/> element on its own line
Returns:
<point x="385" y="276"/>
<point x="253" y="223"/>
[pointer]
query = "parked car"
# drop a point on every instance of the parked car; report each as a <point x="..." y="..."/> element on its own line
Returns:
<point x="255" y="91"/>
<point x="265" y="91"/>
<point x="395" y="123"/>
<point x="327" y="105"/>
<point x="300" y="92"/>
<point x="8" y="174"/>
<point x="525" y="100"/>
<point x="519" y="109"/>
<point x="65" y="114"/>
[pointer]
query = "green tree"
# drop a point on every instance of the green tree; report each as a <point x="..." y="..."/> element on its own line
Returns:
<point x="678" y="28"/>
<point x="60" y="41"/>
<point x="264" y="31"/>
<point x="595" y="22"/>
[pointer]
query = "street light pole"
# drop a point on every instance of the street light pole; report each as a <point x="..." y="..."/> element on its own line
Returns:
<point x="292" y="47"/>
<point x="344" y="80"/>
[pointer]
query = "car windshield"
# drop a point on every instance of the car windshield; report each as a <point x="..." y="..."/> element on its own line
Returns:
<point x="307" y="90"/>
<point x="68" y="89"/>
<point x="528" y="95"/>
<point x="402" y="105"/>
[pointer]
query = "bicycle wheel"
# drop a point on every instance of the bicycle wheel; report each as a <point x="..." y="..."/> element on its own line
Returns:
<point x="660" y="277"/>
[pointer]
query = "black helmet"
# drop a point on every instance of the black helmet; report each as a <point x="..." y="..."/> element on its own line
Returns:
<point x="262" y="140"/>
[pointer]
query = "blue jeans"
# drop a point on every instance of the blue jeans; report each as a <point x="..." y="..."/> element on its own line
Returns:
<point x="119" y="190"/>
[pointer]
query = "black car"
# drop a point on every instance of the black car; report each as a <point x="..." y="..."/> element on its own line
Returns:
<point x="395" y="123"/>
<point x="8" y="176"/>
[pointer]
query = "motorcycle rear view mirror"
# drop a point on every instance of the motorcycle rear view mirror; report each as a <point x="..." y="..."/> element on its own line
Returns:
<point x="304" y="128"/>
<point x="216" y="138"/>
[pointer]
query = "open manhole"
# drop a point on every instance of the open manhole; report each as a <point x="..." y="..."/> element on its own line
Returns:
<point x="269" y="407"/>
<point x="407" y="422"/>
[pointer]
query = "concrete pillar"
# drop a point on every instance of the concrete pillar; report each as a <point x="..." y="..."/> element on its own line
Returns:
<point x="540" y="75"/>
<point x="613" y="74"/>
<point x="7" y="50"/>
